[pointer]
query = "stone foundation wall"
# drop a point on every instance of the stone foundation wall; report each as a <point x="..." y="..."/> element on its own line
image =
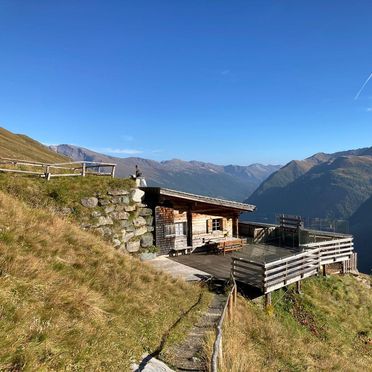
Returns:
<point x="120" y="217"/>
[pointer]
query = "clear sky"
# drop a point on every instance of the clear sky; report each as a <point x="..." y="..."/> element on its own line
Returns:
<point x="224" y="81"/>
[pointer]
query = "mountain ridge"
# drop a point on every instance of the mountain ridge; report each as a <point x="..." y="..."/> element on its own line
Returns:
<point x="234" y="182"/>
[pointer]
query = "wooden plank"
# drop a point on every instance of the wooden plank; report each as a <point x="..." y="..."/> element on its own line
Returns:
<point x="298" y="270"/>
<point x="293" y="280"/>
<point x="20" y="171"/>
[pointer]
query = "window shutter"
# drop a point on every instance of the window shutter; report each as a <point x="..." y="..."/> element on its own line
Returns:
<point x="209" y="225"/>
<point x="224" y="224"/>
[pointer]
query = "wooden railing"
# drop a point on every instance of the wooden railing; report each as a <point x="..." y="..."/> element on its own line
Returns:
<point x="217" y="352"/>
<point x="269" y="276"/>
<point x="49" y="170"/>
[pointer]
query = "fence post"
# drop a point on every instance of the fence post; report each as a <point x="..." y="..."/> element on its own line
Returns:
<point x="220" y="353"/>
<point x="267" y="299"/>
<point x="83" y="169"/>
<point x="47" y="172"/>
<point x="113" y="171"/>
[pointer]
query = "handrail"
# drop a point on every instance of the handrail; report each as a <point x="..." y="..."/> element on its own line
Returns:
<point x="83" y="168"/>
<point x="217" y="352"/>
<point x="283" y="271"/>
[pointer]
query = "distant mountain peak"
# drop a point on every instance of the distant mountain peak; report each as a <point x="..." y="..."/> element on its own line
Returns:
<point x="231" y="182"/>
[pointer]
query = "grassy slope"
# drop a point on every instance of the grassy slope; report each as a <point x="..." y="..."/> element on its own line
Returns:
<point x="24" y="148"/>
<point x="69" y="301"/>
<point x="325" y="328"/>
<point x="59" y="193"/>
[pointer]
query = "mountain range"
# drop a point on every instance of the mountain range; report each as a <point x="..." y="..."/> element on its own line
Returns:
<point x="326" y="186"/>
<point x="230" y="182"/>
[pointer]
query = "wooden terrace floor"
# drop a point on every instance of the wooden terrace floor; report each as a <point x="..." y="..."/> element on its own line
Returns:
<point x="219" y="266"/>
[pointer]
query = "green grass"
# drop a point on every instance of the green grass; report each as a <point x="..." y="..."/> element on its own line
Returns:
<point x="328" y="327"/>
<point x="69" y="301"/>
<point x="59" y="193"/>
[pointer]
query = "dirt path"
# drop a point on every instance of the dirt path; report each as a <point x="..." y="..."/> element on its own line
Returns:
<point x="187" y="356"/>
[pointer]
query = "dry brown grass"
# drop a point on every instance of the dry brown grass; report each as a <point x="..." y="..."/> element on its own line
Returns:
<point x="69" y="301"/>
<point x="21" y="147"/>
<point x="327" y="328"/>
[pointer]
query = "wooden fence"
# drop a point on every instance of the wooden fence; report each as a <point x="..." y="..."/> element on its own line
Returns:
<point x="269" y="276"/>
<point x="50" y="170"/>
<point x="217" y="352"/>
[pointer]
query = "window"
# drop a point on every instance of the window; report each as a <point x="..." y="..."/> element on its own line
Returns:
<point x="180" y="228"/>
<point x="176" y="229"/>
<point x="216" y="224"/>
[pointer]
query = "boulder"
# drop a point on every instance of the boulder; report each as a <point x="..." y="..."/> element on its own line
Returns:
<point x="116" y="243"/>
<point x="120" y="215"/>
<point x="133" y="246"/>
<point x="89" y="202"/>
<point x="103" y="202"/>
<point x="137" y="195"/>
<point x="96" y="214"/>
<point x="145" y="212"/>
<point x="102" y="221"/>
<point x="149" y="220"/>
<point x="140" y="231"/>
<point x="130" y="208"/>
<point x="139" y="221"/>
<point x="117" y="192"/>
<point x="128" y="236"/>
<point x="109" y="208"/>
<point x="120" y="200"/>
<point x="147" y="240"/>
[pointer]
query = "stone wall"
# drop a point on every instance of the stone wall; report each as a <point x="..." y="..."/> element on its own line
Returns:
<point x="120" y="217"/>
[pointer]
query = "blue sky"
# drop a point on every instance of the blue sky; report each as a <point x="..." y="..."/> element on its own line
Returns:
<point x="221" y="81"/>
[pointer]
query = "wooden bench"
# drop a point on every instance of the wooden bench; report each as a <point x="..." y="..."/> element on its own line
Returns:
<point x="227" y="246"/>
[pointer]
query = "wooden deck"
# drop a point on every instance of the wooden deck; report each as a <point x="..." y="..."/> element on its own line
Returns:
<point x="219" y="266"/>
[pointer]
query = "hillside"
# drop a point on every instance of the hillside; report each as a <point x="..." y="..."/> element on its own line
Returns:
<point x="69" y="301"/>
<point x="21" y="147"/>
<point x="310" y="169"/>
<point x="335" y="189"/>
<point x="230" y="182"/>
<point x="328" y="327"/>
<point x="361" y="227"/>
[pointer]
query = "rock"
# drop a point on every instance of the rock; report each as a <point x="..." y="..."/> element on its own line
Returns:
<point x="150" y="228"/>
<point x="130" y="208"/>
<point x="120" y="200"/>
<point x="120" y="208"/>
<point x="133" y="246"/>
<point x="128" y="236"/>
<point x="137" y="195"/>
<point x="140" y="231"/>
<point x="89" y="202"/>
<point x="120" y="215"/>
<point x="149" y="220"/>
<point x="109" y="208"/>
<point x="147" y="240"/>
<point x="104" y="231"/>
<point x="103" y="202"/>
<point x="139" y="221"/>
<point x="117" y="192"/>
<point x="104" y="221"/>
<point x="116" y="243"/>
<point x="65" y="210"/>
<point x="96" y="214"/>
<point x="145" y="212"/>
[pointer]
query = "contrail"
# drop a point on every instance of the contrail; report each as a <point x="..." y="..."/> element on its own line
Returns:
<point x="362" y="87"/>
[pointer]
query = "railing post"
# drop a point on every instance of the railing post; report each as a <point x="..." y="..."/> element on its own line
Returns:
<point x="83" y="169"/>
<point x="47" y="172"/>
<point x="268" y="299"/>
<point x="113" y="171"/>
<point x="220" y="354"/>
